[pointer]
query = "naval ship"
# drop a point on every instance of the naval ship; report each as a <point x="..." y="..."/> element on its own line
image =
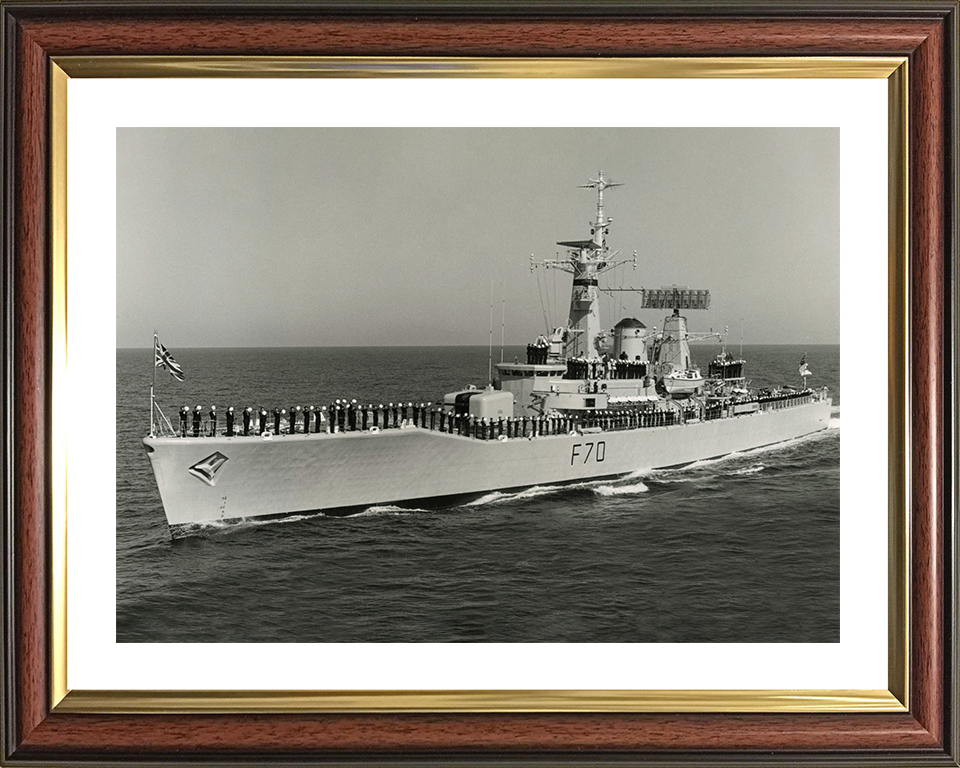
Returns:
<point x="587" y="404"/>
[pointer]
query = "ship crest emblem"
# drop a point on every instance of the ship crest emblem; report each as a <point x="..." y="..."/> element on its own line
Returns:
<point x="207" y="469"/>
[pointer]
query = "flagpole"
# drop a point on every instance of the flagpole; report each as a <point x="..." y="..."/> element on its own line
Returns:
<point x="154" y="383"/>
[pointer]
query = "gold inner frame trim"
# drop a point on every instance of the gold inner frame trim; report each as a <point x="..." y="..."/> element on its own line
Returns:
<point x="898" y="383"/>
<point x="226" y="702"/>
<point x="893" y="69"/>
<point x="58" y="367"/>
<point x="440" y="67"/>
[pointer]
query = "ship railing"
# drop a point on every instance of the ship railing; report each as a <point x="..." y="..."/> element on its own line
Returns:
<point x="162" y="425"/>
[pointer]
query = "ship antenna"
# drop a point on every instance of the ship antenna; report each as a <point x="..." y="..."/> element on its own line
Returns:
<point x="543" y="308"/>
<point x="156" y="346"/>
<point x="503" y="316"/>
<point x="490" y="345"/>
<point x="741" y="338"/>
<point x="600" y="183"/>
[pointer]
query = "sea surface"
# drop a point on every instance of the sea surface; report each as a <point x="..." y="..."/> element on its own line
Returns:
<point x="740" y="549"/>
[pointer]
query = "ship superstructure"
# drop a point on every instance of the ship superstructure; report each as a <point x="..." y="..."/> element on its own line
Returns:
<point x="586" y="404"/>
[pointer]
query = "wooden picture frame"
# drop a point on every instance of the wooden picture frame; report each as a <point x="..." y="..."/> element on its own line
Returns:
<point x="41" y="727"/>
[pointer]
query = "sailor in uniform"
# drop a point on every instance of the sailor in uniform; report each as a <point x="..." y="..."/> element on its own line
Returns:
<point x="294" y="410"/>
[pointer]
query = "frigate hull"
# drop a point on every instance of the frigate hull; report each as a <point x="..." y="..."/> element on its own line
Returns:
<point x="210" y="479"/>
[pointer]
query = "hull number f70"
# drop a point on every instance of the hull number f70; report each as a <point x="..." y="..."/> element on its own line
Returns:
<point x="584" y="452"/>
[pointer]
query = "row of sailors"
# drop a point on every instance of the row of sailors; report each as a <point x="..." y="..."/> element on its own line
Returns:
<point x="342" y="416"/>
<point x="633" y="418"/>
<point x="785" y="401"/>
<point x="582" y="368"/>
<point x="502" y="427"/>
<point x="534" y="426"/>
<point x="538" y="352"/>
<point x="767" y="403"/>
<point x="770" y="396"/>
<point x="348" y="416"/>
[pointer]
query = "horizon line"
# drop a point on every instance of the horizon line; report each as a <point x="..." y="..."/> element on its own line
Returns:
<point x="479" y="346"/>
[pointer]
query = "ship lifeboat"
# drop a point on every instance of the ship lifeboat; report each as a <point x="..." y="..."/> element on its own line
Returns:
<point x="683" y="382"/>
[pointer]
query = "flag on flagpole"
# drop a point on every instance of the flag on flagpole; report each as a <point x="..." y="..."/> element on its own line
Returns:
<point x="163" y="359"/>
<point x="804" y="371"/>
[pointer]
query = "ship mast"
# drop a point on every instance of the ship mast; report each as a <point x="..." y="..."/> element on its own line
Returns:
<point x="600" y="225"/>
<point x="586" y="260"/>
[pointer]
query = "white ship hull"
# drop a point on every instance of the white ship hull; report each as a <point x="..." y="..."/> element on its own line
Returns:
<point x="209" y="479"/>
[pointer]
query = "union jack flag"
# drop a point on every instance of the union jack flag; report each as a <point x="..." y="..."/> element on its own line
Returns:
<point x="163" y="359"/>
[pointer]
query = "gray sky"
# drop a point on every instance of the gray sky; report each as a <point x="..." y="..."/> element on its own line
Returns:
<point x="330" y="237"/>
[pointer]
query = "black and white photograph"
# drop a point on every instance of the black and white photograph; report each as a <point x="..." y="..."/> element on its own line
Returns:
<point x="478" y="385"/>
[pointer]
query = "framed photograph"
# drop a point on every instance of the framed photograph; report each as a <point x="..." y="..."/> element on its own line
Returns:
<point x="447" y="384"/>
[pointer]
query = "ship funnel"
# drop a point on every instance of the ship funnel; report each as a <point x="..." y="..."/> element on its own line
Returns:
<point x="674" y="352"/>
<point x="629" y="340"/>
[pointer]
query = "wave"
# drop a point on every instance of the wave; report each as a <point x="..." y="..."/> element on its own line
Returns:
<point x="223" y="526"/>
<point x="536" y="491"/>
<point x="834" y="423"/>
<point x="384" y="510"/>
<point x="751" y="470"/>
<point x="620" y="490"/>
<point x="231" y="526"/>
<point x="670" y="480"/>
<point x="504" y="497"/>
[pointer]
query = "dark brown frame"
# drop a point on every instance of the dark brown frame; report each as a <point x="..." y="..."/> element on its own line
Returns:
<point x="925" y="32"/>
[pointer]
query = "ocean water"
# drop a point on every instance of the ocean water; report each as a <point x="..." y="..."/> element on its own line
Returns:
<point x="740" y="549"/>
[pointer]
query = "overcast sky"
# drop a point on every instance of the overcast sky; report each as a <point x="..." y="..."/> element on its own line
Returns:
<point x="359" y="237"/>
